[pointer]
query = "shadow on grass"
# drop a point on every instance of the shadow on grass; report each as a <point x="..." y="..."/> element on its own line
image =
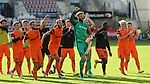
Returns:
<point x="48" y="79"/>
<point x="142" y="75"/>
<point x="12" y="81"/>
<point x="74" y="80"/>
<point x="97" y="79"/>
<point x="125" y="79"/>
<point x="56" y="81"/>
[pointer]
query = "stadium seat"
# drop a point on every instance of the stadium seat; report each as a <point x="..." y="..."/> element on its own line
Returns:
<point x="34" y="6"/>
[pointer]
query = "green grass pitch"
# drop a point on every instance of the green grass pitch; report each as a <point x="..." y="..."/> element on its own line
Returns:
<point x="114" y="75"/>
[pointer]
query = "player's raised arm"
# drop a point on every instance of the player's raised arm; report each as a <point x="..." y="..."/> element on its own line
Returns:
<point x="73" y="18"/>
<point x="43" y="22"/>
<point x="47" y="33"/>
<point x="44" y="36"/>
<point x="60" y="17"/>
<point x="88" y="19"/>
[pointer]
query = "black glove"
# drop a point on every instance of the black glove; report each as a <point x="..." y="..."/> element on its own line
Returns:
<point x="77" y="9"/>
<point x="110" y="54"/>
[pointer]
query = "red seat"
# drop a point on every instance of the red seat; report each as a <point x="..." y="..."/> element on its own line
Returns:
<point x="34" y="6"/>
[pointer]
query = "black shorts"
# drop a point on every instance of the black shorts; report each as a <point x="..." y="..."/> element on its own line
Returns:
<point x="45" y="51"/>
<point x="59" y="51"/>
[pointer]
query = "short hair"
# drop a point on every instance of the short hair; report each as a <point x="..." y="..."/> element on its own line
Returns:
<point x="78" y="13"/>
<point x="129" y="22"/>
<point x="58" y="20"/>
<point x="23" y="21"/>
<point x="3" y="20"/>
<point x="32" y="21"/>
<point x="17" y="22"/>
<point x="122" y="21"/>
<point x="68" y="20"/>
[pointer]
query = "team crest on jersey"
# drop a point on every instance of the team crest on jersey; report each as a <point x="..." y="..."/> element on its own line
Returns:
<point x="82" y="27"/>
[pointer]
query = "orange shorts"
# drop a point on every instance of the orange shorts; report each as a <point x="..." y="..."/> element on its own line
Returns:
<point x="64" y="52"/>
<point x="36" y="56"/>
<point x="18" y="55"/>
<point x="53" y="51"/>
<point x="26" y="52"/>
<point x="102" y="53"/>
<point x="133" y="52"/>
<point x="123" y="52"/>
<point x="4" y="49"/>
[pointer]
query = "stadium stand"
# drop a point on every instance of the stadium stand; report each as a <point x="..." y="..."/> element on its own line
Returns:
<point x="37" y="6"/>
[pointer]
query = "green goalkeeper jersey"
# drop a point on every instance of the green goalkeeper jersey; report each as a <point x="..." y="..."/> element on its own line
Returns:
<point x="81" y="29"/>
<point x="3" y="37"/>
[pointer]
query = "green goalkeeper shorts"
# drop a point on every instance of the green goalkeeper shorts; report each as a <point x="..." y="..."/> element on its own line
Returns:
<point x="82" y="47"/>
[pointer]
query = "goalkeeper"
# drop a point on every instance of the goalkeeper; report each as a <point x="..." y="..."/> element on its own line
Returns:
<point x="83" y="39"/>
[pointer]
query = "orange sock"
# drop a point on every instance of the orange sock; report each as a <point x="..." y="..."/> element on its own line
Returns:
<point x="73" y="64"/>
<point x="58" y="67"/>
<point x="125" y="65"/>
<point x="61" y="63"/>
<point x="29" y="67"/>
<point x="35" y="73"/>
<point x="137" y="63"/>
<point x="122" y="65"/>
<point x="20" y="68"/>
<point x="86" y="69"/>
<point x="122" y="68"/>
<point x="17" y="68"/>
<point x="13" y="69"/>
<point x="8" y="64"/>
<point x="48" y="67"/>
<point x="0" y="64"/>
